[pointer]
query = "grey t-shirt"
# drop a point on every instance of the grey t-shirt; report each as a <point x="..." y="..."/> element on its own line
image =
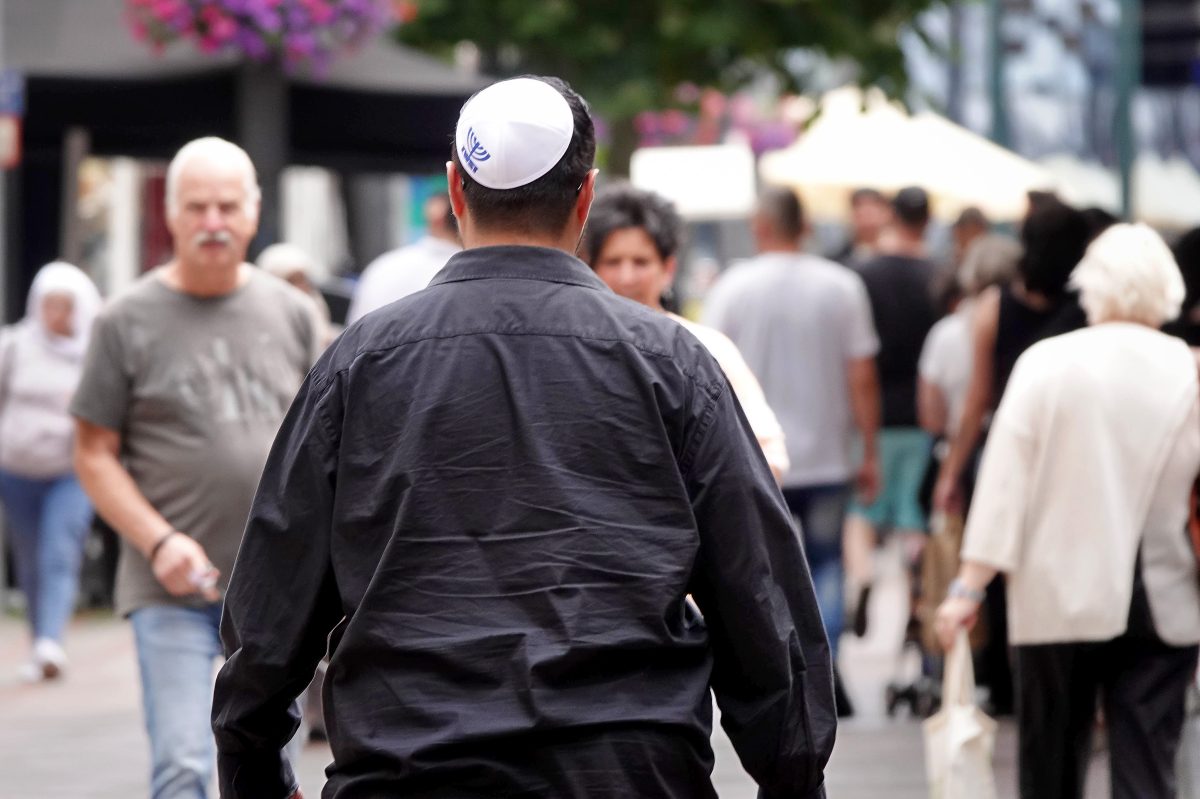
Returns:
<point x="798" y="319"/>
<point x="197" y="388"/>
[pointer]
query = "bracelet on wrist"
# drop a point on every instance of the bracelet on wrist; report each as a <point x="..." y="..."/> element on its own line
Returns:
<point x="158" y="545"/>
<point x="960" y="590"/>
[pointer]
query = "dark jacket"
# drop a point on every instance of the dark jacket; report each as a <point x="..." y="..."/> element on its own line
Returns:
<point x="498" y="494"/>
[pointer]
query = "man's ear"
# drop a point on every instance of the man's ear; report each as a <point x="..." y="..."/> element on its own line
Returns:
<point x="587" y="193"/>
<point x="458" y="198"/>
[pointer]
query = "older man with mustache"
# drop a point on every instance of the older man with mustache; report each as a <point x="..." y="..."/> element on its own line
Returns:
<point x="186" y="381"/>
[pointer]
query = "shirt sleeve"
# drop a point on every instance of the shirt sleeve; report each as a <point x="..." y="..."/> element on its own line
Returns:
<point x="995" y="528"/>
<point x="860" y="337"/>
<point x="772" y="675"/>
<point x="281" y="605"/>
<point x="104" y="391"/>
<point x="767" y="430"/>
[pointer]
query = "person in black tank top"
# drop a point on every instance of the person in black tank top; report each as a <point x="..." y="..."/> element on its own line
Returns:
<point x="1021" y="324"/>
<point x="1187" y="255"/>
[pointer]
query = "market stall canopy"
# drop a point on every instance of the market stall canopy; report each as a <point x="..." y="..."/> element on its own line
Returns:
<point x="381" y="107"/>
<point x="1166" y="192"/>
<point x="859" y="142"/>
<point x="1084" y="184"/>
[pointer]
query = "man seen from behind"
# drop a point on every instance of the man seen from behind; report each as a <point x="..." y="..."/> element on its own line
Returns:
<point x="497" y="495"/>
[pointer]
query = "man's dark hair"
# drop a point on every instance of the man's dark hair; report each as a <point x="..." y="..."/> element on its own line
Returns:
<point x="867" y="195"/>
<point x="783" y="211"/>
<point x="622" y="206"/>
<point x="543" y="206"/>
<point x="1187" y="255"/>
<point x="1054" y="236"/>
<point x="911" y="207"/>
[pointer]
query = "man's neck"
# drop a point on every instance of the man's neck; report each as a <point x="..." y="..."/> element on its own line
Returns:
<point x="499" y="238"/>
<point x="776" y="246"/>
<point x="905" y="242"/>
<point x="205" y="281"/>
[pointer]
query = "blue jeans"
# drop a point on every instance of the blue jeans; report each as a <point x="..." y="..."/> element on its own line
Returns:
<point x="48" y="522"/>
<point x="820" y="510"/>
<point x="177" y="649"/>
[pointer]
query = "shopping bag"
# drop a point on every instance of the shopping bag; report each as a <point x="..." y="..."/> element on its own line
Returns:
<point x="959" y="738"/>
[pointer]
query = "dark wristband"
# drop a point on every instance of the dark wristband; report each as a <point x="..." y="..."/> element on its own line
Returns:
<point x="159" y="545"/>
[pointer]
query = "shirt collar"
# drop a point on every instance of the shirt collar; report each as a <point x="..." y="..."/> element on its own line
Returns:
<point x="511" y="261"/>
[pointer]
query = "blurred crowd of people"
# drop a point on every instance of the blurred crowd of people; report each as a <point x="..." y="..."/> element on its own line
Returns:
<point x="876" y="382"/>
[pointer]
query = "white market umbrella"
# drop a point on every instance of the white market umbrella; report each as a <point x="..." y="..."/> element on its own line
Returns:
<point x="1084" y="184"/>
<point x="881" y="147"/>
<point x="1166" y="193"/>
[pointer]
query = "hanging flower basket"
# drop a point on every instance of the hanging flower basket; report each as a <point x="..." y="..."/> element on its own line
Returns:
<point x="296" y="34"/>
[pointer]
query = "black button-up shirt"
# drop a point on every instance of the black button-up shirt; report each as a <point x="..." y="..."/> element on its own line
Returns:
<point x="497" y="494"/>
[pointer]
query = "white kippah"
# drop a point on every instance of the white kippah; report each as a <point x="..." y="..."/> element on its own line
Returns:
<point x="513" y="132"/>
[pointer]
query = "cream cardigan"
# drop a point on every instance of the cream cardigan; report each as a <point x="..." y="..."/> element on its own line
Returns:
<point x="1092" y="452"/>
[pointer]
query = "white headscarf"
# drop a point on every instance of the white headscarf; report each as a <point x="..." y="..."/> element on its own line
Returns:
<point x="59" y="277"/>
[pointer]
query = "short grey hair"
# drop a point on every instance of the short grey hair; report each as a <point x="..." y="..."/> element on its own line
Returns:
<point x="991" y="260"/>
<point x="284" y="260"/>
<point x="1129" y="275"/>
<point x="215" y="148"/>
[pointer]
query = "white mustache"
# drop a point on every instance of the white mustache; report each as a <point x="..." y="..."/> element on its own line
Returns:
<point x="219" y="237"/>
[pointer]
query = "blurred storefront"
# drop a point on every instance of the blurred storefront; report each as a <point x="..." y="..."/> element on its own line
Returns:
<point x="342" y="158"/>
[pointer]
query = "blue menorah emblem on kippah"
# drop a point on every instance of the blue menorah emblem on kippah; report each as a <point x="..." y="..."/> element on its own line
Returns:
<point x="476" y="153"/>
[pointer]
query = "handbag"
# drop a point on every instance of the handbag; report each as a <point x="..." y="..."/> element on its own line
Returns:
<point x="939" y="566"/>
<point x="960" y="738"/>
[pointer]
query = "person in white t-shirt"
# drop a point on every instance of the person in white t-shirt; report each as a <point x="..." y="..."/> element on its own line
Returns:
<point x="805" y="327"/>
<point x="407" y="270"/>
<point x="630" y="242"/>
<point x="944" y="371"/>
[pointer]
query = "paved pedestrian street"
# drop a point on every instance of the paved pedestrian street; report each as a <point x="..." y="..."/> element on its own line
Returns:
<point x="82" y="737"/>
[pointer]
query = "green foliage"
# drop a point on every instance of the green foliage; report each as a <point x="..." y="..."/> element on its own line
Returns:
<point x="629" y="56"/>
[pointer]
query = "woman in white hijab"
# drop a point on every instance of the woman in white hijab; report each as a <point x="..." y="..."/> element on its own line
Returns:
<point x="47" y="512"/>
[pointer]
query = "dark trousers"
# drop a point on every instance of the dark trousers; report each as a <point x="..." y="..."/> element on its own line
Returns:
<point x="1141" y="681"/>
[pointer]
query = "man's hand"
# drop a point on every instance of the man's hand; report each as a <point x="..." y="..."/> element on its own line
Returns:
<point x="183" y="568"/>
<point x="867" y="480"/>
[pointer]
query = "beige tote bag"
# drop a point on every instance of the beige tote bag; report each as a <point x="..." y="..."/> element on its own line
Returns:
<point x="959" y="738"/>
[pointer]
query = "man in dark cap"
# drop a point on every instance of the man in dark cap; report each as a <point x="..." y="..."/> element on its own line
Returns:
<point x="493" y="499"/>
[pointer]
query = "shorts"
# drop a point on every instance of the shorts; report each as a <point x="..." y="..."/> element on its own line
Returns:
<point x="904" y="454"/>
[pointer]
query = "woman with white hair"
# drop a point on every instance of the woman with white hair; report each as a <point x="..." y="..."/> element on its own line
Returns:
<point x="48" y="513"/>
<point x="1082" y="502"/>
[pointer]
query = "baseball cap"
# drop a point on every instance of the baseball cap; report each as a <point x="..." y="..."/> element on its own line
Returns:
<point x="513" y="132"/>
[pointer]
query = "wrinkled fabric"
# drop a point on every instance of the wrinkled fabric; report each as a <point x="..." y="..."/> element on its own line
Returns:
<point x="497" y="494"/>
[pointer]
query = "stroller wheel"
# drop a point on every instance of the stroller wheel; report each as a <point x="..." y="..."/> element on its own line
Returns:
<point x="891" y="700"/>
<point x="926" y="705"/>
